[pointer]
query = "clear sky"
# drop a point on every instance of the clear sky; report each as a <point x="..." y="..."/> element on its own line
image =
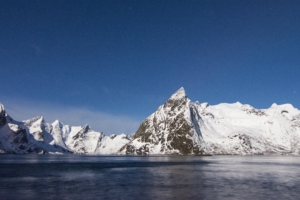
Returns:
<point x="112" y="63"/>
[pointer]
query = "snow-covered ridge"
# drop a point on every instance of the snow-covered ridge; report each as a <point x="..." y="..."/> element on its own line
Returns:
<point x="37" y="136"/>
<point x="241" y="129"/>
<point x="179" y="126"/>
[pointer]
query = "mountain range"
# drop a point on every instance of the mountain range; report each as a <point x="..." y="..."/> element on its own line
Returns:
<point x="179" y="126"/>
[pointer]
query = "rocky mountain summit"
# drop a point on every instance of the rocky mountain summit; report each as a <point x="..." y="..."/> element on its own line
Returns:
<point x="173" y="129"/>
<point x="179" y="126"/>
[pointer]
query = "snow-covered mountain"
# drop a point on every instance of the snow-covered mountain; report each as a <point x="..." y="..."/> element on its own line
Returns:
<point x="179" y="126"/>
<point x="173" y="129"/>
<point x="190" y="128"/>
<point x="242" y="129"/>
<point x="37" y="136"/>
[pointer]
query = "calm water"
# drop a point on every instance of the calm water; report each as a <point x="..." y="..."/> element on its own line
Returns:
<point x="149" y="177"/>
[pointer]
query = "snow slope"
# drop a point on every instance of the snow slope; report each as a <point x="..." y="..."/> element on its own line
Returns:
<point x="242" y="129"/>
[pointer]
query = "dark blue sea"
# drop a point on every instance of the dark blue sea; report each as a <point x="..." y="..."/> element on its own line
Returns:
<point x="149" y="177"/>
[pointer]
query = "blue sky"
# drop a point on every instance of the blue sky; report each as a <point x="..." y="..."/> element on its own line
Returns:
<point x="112" y="63"/>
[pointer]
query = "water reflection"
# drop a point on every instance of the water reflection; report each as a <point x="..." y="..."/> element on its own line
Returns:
<point x="148" y="177"/>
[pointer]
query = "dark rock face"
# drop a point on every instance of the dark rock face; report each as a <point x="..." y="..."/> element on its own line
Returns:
<point x="15" y="136"/>
<point x="178" y="139"/>
<point x="132" y="150"/>
<point x="170" y="130"/>
<point x="2" y="116"/>
<point x="143" y="132"/>
<point x="296" y="121"/>
<point x="19" y="143"/>
<point x="250" y="110"/>
<point x="78" y="140"/>
<point x="2" y="150"/>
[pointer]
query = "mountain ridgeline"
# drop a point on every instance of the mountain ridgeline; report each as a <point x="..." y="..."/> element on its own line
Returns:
<point x="178" y="127"/>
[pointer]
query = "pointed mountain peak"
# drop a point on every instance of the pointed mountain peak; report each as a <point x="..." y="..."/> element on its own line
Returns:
<point x="2" y="110"/>
<point x="274" y="105"/>
<point x="86" y="128"/>
<point x="2" y="115"/>
<point x="57" y="123"/>
<point x="179" y="94"/>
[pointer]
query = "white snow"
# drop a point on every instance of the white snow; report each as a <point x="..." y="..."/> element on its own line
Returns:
<point x="218" y="129"/>
<point x="179" y="94"/>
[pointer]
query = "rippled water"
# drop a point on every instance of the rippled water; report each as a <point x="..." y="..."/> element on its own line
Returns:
<point x="149" y="177"/>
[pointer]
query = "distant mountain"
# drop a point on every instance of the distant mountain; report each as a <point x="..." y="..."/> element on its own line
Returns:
<point x="179" y="126"/>
<point x="37" y="136"/>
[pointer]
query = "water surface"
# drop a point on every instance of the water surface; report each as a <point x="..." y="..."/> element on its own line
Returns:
<point x="149" y="177"/>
